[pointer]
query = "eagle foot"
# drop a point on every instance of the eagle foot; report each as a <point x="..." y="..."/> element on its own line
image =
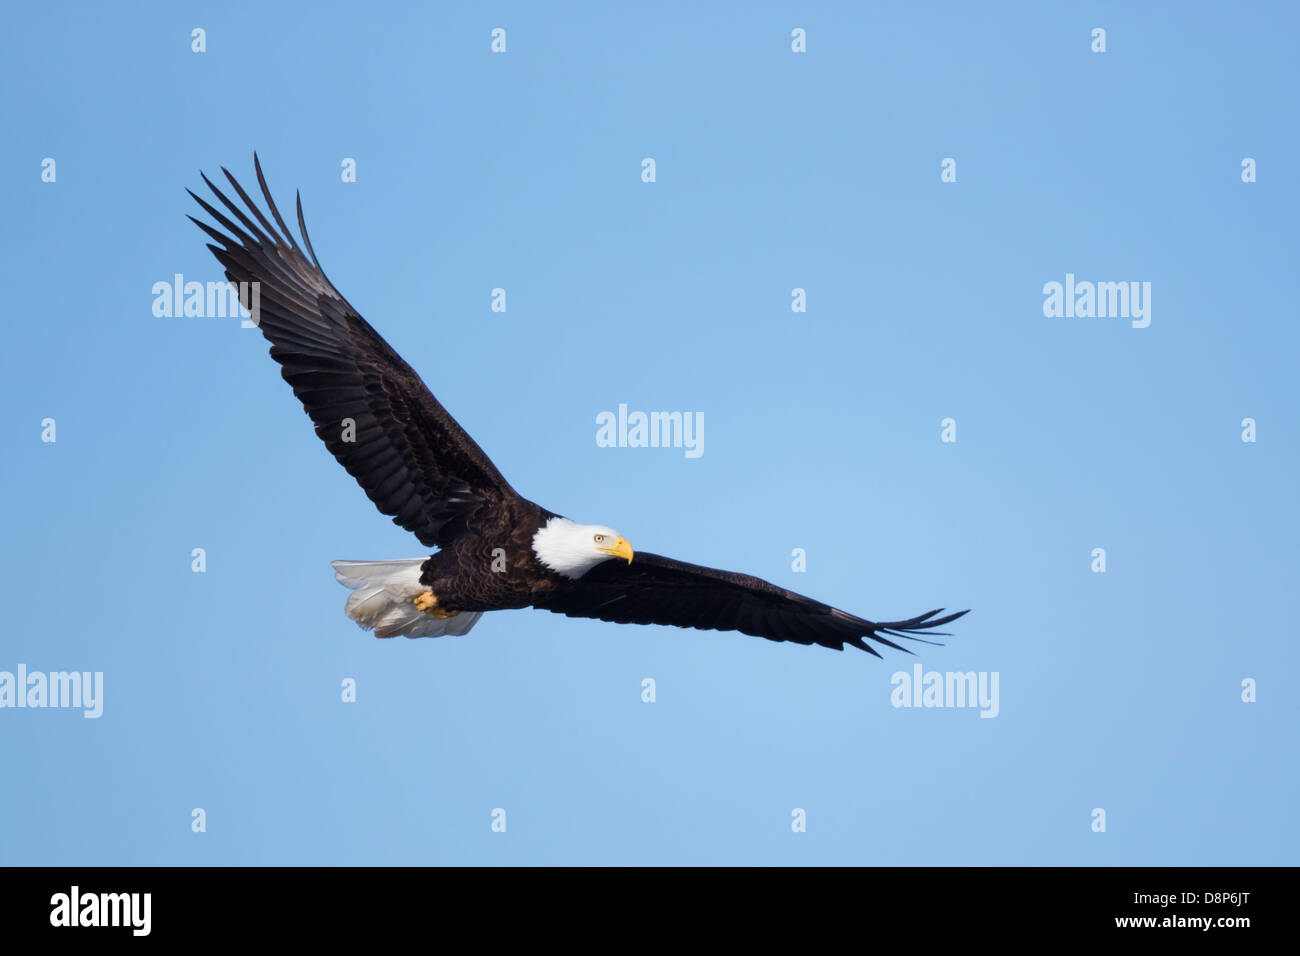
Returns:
<point x="427" y="602"/>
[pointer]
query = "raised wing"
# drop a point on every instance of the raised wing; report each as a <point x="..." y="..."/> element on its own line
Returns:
<point x="658" y="590"/>
<point x="369" y="407"/>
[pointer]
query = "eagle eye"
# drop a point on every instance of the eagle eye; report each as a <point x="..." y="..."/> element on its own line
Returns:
<point x="600" y="538"/>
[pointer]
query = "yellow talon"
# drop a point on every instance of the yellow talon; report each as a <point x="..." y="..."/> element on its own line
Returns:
<point x="427" y="602"/>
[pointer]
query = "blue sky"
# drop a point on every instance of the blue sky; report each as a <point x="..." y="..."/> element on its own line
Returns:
<point x="774" y="171"/>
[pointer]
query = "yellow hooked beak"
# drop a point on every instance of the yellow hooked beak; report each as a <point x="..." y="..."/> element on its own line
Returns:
<point x="619" y="549"/>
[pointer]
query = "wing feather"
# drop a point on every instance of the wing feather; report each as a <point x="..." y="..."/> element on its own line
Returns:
<point x="658" y="590"/>
<point x="408" y="454"/>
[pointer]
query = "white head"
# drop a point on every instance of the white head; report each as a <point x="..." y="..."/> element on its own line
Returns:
<point x="573" y="549"/>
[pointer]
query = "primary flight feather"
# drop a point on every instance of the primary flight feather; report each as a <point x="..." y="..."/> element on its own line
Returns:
<point x="496" y="549"/>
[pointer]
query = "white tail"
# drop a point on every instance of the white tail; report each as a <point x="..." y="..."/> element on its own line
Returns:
<point x="383" y="592"/>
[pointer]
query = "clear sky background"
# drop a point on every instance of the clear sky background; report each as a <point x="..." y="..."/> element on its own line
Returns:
<point x="775" y="170"/>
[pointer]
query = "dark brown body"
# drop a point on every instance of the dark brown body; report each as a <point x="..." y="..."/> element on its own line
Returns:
<point x="492" y="566"/>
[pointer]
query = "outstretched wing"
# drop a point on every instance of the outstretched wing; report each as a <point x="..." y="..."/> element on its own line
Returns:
<point x="372" y="411"/>
<point x="658" y="590"/>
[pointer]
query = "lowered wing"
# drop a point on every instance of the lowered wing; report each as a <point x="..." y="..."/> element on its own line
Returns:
<point x="656" y="590"/>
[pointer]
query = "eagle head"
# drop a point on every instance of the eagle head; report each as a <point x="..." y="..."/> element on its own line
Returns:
<point x="573" y="549"/>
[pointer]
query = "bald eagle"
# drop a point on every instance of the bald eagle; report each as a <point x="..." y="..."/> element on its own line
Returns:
<point x="495" y="549"/>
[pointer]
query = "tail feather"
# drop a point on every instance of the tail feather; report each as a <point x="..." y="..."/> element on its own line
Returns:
<point x="382" y="599"/>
